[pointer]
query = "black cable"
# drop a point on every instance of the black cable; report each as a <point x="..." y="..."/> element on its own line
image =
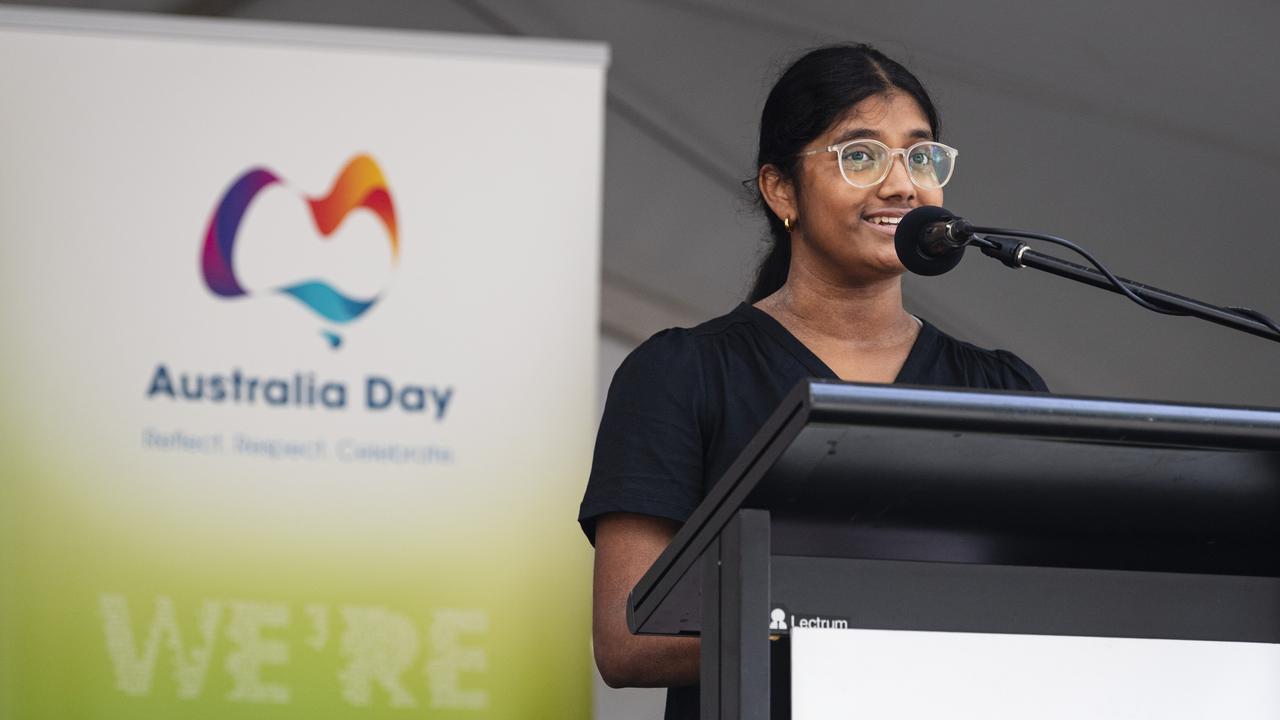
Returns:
<point x="1243" y="312"/>
<point x="1097" y="264"/>
<point x="1254" y="315"/>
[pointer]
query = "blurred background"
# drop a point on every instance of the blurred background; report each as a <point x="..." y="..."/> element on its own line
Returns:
<point x="1143" y="131"/>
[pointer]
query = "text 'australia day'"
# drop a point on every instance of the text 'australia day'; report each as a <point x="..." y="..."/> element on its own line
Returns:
<point x="298" y="390"/>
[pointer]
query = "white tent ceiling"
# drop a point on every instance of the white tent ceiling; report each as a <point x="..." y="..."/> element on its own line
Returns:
<point x="1143" y="131"/>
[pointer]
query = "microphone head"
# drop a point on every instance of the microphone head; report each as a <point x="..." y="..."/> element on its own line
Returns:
<point x="909" y="241"/>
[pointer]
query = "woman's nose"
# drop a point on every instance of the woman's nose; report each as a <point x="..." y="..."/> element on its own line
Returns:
<point x="898" y="182"/>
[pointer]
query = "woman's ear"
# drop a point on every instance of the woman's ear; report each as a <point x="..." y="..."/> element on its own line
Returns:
<point x="778" y="192"/>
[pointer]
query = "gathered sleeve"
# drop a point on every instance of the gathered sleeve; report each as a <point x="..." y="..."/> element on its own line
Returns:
<point x="649" y="450"/>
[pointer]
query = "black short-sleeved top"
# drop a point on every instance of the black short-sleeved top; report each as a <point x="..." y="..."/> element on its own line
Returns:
<point x="687" y="401"/>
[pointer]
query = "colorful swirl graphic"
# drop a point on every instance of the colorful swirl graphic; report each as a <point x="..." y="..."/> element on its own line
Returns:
<point x="359" y="185"/>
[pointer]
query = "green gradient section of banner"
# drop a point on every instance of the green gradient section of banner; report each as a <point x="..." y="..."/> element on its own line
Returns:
<point x="60" y="561"/>
<point x="11" y="585"/>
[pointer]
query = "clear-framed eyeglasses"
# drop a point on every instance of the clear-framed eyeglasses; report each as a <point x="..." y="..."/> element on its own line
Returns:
<point x="867" y="162"/>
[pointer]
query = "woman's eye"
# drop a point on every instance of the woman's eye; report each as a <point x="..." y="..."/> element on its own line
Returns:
<point x="919" y="158"/>
<point x="857" y="157"/>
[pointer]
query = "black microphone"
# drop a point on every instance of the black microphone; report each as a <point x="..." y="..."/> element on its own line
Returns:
<point x="930" y="240"/>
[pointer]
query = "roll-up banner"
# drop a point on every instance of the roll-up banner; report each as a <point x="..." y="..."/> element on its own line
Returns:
<point x="297" y="347"/>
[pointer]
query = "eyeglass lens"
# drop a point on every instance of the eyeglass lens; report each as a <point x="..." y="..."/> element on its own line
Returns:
<point x="929" y="164"/>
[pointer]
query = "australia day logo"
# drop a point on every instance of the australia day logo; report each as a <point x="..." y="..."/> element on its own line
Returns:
<point x="359" y="185"/>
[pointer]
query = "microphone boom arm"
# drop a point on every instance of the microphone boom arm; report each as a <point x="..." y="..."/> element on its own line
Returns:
<point x="1015" y="253"/>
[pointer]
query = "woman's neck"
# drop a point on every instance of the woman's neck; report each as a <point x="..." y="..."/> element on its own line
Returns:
<point x="867" y="315"/>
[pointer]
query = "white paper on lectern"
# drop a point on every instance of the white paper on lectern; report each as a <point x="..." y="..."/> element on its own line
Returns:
<point x="960" y="676"/>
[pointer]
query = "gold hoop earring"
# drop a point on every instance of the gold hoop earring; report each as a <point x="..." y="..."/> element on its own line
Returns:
<point x="786" y="223"/>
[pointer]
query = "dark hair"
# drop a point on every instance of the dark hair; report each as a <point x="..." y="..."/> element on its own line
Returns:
<point x="812" y="94"/>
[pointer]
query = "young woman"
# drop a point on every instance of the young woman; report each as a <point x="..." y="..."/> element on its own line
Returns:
<point x="848" y="145"/>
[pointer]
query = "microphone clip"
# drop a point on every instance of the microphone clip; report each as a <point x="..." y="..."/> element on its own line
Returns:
<point x="1007" y="250"/>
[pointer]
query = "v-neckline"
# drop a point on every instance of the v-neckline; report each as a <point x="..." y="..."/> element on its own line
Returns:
<point x="779" y="332"/>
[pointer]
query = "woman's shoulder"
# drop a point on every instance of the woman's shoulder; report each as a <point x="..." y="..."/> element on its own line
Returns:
<point x="969" y="365"/>
<point x="683" y="366"/>
<point x="677" y="344"/>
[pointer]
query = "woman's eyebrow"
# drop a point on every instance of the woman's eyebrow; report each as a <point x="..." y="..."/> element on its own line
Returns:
<point x="862" y="132"/>
<point x="857" y="133"/>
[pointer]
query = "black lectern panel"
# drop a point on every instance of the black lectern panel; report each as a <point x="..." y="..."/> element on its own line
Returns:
<point x="891" y="473"/>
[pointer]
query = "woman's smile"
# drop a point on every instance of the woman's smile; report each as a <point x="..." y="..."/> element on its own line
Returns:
<point x="884" y="221"/>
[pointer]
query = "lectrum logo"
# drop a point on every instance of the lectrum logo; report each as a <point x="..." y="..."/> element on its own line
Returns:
<point x="359" y="185"/>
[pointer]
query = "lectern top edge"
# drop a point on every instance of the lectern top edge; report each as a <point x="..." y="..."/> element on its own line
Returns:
<point x="1039" y="415"/>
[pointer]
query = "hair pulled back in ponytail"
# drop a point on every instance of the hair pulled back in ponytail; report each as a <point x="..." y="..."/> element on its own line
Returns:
<point x="814" y="93"/>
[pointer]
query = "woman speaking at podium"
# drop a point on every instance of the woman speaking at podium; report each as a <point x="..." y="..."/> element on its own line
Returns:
<point x="849" y="144"/>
